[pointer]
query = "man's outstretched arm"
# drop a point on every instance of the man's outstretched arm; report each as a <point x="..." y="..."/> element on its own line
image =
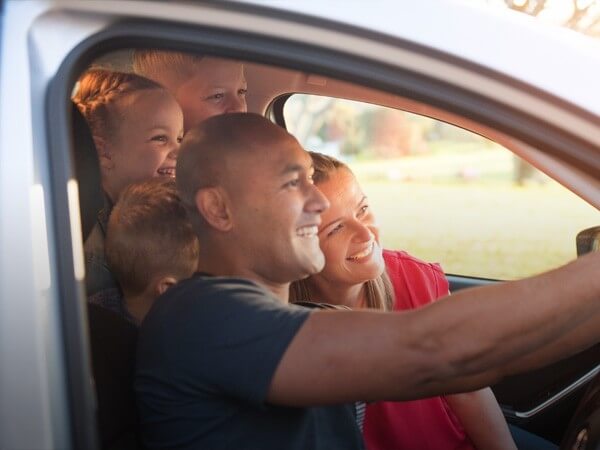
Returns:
<point x="467" y="343"/>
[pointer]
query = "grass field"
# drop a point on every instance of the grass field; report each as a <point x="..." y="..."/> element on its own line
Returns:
<point x="462" y="209"/>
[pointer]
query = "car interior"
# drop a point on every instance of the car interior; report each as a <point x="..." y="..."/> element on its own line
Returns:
<point x="550" y="402"/>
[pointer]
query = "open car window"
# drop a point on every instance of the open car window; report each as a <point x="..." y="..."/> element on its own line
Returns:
<point x="444" y="193"/>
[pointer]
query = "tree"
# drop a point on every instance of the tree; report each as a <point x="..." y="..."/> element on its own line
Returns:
<point x="584" y="17"/>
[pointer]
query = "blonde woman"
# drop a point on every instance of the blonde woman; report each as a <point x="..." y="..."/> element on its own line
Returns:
<point x="358" y="273"/>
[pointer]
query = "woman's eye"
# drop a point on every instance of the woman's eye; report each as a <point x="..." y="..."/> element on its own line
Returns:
<point x="179" y="139"/>
<point x="242" y="92"/>
<point x="363" y="210"/>
<point x="337" y="228"/>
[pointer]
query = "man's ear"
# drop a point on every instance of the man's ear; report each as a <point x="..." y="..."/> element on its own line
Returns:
<point x="213" y="206"/>
<point x="162" y="284"/>
<point x="104" y="154"/>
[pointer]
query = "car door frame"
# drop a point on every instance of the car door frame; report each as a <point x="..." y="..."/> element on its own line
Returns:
<point x="182" y="34"/>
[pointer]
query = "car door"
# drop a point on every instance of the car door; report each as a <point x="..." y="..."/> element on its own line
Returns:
<point x="433" y="66"/>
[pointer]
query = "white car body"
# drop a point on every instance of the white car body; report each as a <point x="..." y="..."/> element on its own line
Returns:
<point x="548" y="74"/>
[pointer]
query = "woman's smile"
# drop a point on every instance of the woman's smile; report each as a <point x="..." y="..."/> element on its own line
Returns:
<point x="363" y="254"/>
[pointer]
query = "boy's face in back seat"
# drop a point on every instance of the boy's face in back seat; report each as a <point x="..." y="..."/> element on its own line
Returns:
<point x="218" y="86"/>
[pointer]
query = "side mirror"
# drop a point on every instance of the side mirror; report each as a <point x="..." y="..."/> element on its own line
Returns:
<point x="588" y="240"/>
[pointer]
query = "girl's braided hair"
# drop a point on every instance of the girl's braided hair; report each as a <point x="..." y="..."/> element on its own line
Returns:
<point x="98" y="89"/>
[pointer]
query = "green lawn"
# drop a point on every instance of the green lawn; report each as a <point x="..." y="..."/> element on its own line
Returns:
<point x="484" y="225"/>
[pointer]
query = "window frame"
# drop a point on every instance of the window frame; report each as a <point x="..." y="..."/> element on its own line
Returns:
<point x="264" y="49"/>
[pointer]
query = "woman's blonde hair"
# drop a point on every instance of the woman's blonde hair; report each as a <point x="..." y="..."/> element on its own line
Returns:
<point x="98" y="90"/>
<point x="379" y="291"/>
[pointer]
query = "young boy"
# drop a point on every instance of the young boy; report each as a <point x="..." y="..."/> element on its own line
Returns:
<point x="150" y="246"/>
<point x="203" y="86"/>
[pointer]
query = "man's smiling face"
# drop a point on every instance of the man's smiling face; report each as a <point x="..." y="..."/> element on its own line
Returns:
<point x="278" y="209"/>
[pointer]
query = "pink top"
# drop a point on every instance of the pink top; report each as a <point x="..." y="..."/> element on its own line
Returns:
<point x="420" y="424"/>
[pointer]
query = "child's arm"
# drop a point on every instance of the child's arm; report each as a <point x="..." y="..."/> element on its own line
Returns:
<point x="482" y="419"/>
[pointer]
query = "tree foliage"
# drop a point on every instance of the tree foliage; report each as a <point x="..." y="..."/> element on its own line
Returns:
<point x="584" y="16"/>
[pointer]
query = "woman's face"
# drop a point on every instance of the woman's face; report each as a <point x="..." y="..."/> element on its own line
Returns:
<point x="348" y="235"/>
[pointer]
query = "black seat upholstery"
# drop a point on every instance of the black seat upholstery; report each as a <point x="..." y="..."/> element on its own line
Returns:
<point x="112" y="338"/>
<point x="87" y="170"/>
<point x="113" y="342"/>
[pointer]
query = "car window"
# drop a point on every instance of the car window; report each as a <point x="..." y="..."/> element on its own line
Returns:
<point x="445" y="194"/>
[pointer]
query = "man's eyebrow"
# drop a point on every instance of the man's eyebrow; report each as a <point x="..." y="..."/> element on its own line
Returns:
<point x="295" y="168"/>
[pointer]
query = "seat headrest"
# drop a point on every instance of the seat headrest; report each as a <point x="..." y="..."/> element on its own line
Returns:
<point x="87" y="171"/>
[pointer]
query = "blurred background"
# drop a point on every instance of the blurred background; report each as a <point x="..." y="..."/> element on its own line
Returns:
<point x="445" y="194"/>
<point x="582" y="16"/>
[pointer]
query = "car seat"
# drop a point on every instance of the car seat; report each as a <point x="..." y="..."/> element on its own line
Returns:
<point x="112" y="338"/>
<point x="87" y="170"/>
<point x="113" y="342"/>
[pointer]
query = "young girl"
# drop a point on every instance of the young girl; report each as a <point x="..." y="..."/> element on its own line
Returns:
<point x="358" y="273"/>
<point x="137" y="127"/>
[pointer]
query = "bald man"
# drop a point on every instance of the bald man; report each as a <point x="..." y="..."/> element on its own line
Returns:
<point x="224" y="362"/>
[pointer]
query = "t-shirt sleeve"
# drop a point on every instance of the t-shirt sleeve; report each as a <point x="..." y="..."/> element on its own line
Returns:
<point x="236" y="340"/>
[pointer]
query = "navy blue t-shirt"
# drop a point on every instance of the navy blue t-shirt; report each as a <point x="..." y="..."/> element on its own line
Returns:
<point x="207" y="352"/>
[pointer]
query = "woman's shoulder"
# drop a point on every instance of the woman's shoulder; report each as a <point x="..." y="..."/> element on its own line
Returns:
<point x="416" y="282"/>
<point x="401" y="258"/>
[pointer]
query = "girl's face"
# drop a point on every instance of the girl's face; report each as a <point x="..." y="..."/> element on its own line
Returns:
<point x="147" y="130"/>
<point x="348" y="235"/>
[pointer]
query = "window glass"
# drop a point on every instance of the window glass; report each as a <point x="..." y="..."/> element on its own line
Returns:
<point x="445" y="194"/>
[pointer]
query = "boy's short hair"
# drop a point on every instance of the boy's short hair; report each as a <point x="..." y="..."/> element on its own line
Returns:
<point x="164" y="66"/>
<point x="149" y="235"/>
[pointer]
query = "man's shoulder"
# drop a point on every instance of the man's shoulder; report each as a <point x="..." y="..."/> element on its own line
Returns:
<point x="205" y="285"/>
<point x="206" y="296"/>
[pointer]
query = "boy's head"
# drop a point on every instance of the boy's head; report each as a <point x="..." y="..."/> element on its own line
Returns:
<point x="203" y="86"/>
<point x="136" y="123"/>
<point x="150" y="243"/>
